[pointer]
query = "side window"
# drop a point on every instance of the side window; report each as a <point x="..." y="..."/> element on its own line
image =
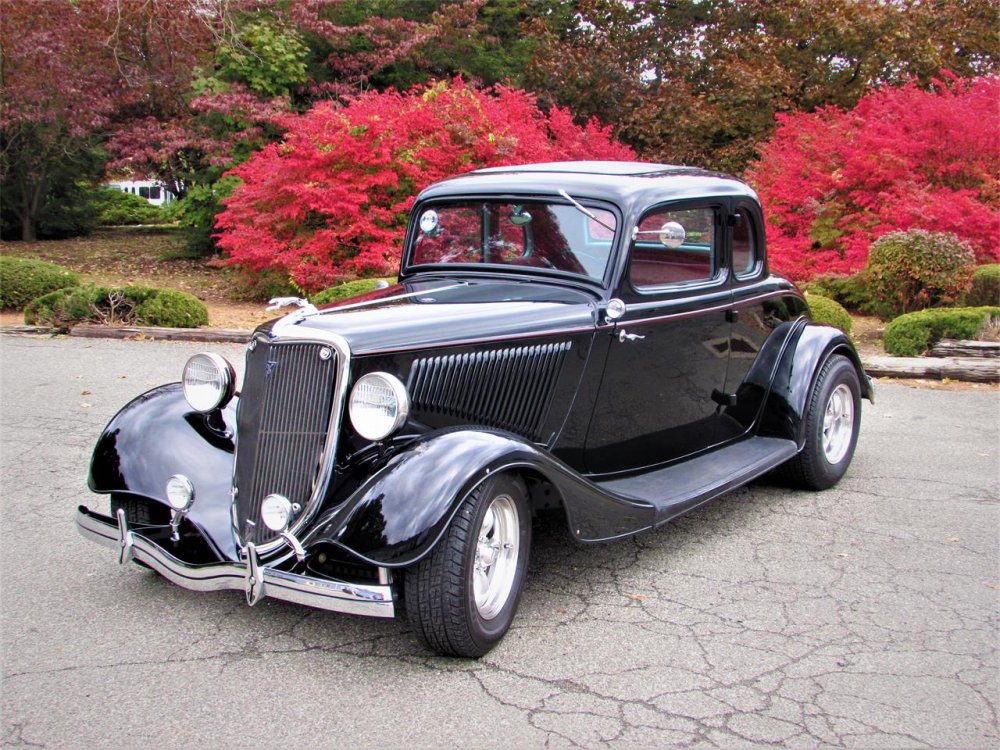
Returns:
<point x="674" y="247"/>
<point x="744" y="244"/>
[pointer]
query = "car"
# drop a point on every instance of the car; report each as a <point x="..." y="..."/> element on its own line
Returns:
<point x="601" y="340"/>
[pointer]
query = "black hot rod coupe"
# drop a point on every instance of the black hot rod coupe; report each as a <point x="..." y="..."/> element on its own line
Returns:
<point x="602" y="338"/>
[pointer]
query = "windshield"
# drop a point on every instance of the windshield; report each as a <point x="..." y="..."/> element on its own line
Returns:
<point x="531" y="233"/>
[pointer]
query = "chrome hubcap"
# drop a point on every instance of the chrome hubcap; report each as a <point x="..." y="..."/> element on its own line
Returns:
<point x="496" y="556"/>
<point x="838" y="424"/>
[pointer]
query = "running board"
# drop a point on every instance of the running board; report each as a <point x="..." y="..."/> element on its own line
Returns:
<point x="684" y="486"/>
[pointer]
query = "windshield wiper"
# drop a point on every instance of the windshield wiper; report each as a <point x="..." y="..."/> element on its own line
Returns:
<point x="582" y="209"/>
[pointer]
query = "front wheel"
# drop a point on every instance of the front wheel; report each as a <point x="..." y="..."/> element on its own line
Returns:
<point x="832" y="424"/>
<point x="462" y="598"/>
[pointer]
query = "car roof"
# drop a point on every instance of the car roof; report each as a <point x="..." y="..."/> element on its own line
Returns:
<point x="625" y="183"/>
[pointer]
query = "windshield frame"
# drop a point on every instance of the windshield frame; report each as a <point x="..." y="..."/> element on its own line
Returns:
<point x="409" y="268"/>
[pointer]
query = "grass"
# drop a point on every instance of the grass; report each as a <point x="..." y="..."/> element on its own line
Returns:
<point x="148" y="256"/>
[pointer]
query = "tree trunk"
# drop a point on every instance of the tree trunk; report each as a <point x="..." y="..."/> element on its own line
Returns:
<point x="32" y="198"/>
<point x="28" y="233"/>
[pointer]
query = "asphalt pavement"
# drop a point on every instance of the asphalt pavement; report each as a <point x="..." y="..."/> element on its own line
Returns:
<point x="863" y="616"/>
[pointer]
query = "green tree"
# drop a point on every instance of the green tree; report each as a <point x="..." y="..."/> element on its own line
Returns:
<point x="700" y="81"/>
<point x="267" y="56"/>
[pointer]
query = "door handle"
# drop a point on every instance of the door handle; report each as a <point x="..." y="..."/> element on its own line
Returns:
<point x="624" y="336"/>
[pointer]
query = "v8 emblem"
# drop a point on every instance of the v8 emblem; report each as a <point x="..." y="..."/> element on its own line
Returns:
<point x="269" y="369"/>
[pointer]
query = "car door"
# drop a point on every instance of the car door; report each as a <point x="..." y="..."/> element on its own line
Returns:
<point x="665" y="371"/>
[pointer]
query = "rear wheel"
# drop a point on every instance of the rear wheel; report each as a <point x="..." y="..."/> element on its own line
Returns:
<point x="832" y="423"/>
<point x="462" y="598"/>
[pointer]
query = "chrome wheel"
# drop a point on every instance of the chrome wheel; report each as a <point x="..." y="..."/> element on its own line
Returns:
<point x="838" y="424"/>
<point x="495" y="563"/>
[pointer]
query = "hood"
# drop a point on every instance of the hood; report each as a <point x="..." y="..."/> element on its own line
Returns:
<point x="428" y="313"/>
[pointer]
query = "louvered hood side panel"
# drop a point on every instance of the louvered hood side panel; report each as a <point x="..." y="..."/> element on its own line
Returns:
<point x="509" y="388"/>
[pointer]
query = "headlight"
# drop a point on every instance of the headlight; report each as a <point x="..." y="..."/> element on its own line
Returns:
<point x="379" y="405"/>
<point x="276" y="512"/>
<point x="209" y="382"/>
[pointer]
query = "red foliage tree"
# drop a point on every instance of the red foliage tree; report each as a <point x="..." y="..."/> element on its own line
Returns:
<point x="330" y="201"/>
<point x="904" y="158"/>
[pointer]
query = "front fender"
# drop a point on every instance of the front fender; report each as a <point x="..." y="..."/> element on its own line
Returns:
<point x="397" y="516"/>
<point x="788" y="400"/>
<point x="157" y="435"/>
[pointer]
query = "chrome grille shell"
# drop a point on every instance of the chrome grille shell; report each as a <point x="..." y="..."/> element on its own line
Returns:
<point x="288" y="422"/>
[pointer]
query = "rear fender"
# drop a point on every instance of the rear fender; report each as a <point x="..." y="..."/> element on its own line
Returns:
<point x="157" y="435"/>
<point x="398" y="515"/>
<point x="801" y="362"/>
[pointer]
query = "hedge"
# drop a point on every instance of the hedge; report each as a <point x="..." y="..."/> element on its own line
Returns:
<point x="117" y="208"/>
<point x="850" y="291"/>
<point x="916" y="269"/>
<point x="828" y="312"/>
<point x="23" y="279"/>
<point x="912" y="334"/>
<point x="130" y="305"/>
<point x="346" y="290"/>
<point x="985" y="286"/>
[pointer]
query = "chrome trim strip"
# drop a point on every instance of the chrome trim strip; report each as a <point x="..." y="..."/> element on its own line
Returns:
<point x="383" y="300"/>
<point x="727" y="305"/>
<point x="332" y="596"/>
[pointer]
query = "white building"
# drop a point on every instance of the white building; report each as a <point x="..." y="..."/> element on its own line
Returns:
<point x="153" y="191"/>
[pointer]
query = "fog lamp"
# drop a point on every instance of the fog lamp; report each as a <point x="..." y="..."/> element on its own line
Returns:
<point x="180" y="492"/>
<point x="276" y="512"/>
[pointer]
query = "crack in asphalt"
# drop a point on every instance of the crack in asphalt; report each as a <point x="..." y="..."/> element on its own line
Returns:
<point x="864" y="615"/>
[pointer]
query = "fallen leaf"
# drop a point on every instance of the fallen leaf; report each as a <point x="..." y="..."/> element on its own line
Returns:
<point x="85" y="405"/>
<point x="954" y="539"/>
<point x="86" y="393"/>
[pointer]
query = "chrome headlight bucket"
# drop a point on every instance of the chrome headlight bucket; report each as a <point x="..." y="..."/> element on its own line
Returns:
<point x="378" y="405"/>
<point x="209" y="382"/>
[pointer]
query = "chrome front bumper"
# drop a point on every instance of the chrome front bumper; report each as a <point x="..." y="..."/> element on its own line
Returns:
<point x="254" y="579"/>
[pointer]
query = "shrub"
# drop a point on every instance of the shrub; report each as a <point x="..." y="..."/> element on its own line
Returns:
<point x="330" y="202"/>
<point x="850" y="291"/>
<point x="250" y="286"/>
<point x="172" y="309"/>
<point x="829" y="312"/>
<point x="22" y="280"/>
<point x="985" y="286"/>
<point x="832" y="181"/>
<point x="912" y="334"/>
<point x="122" y="305"/>
<point x="913" y="270"/>
<point x="116" y="209"/>
<point x="345" y="291"/>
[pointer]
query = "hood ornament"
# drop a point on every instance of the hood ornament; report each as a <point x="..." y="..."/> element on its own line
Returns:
<point x="306" y="308"/>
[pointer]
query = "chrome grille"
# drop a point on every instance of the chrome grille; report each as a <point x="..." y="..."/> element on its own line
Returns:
<point x="505" y="388"/>
<point x="283" y="420"/>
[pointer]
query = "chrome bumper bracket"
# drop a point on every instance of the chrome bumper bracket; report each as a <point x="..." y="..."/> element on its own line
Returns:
<point x="257" y="581"/>
<point x="254" y="578"/>
<point x="124" y="538"/>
